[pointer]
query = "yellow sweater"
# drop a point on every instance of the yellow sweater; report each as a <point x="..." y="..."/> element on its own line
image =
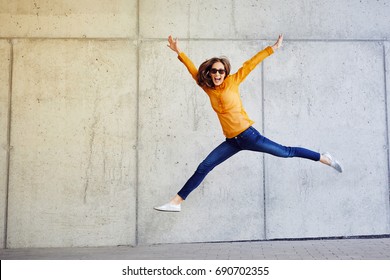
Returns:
<point x="225" y="99"/>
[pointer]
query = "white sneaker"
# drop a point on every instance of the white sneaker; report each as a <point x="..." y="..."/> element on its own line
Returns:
<point x="168" y="208"/>
<point x="333" y="162"/>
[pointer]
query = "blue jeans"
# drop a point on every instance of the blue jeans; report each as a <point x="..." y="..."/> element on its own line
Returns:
<point x="250" y="140"/>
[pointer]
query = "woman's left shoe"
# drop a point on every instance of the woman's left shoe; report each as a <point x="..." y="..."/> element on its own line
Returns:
<point x="168" y="208"/>
<point x="333" y="162"/>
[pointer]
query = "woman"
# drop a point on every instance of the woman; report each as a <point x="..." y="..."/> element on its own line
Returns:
<point x="214" y="78"/>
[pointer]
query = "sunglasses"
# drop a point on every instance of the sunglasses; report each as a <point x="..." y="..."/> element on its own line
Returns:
<point x="220" y="71"/>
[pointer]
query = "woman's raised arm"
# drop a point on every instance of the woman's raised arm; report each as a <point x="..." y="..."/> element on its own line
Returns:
<point x="174" y="45"/>
<point x="250" y="64"/>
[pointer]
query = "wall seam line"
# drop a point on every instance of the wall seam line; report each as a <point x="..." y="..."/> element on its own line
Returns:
<point x="137" y="127"/>
<point x="272" y="39"/>
<point x="264" y="171"/>
<point x="387" y="129"/>
<point x="71" y="38"/>
<point x="9" y="147"/>
<point x="138" y="37"/>
<point x="297" y="39"/>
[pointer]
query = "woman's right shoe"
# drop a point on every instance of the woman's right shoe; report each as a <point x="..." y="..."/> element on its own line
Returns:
<point x="333" y="162"/>
<point x="168" y="208"/>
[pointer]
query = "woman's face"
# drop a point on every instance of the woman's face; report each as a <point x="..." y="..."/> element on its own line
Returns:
<point x="217" y="73"/>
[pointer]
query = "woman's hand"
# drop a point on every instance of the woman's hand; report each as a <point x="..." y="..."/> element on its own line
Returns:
<point x="173" y="44"/>
<point x="278" y="43"/>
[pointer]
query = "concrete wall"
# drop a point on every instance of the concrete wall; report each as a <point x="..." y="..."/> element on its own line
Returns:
<point x="106" y="123"/>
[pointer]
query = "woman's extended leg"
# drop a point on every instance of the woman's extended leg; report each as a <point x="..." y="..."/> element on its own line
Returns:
<point x="221" y="153"/>
<point x="253" y="140"/>
<point x="216" y="157"/>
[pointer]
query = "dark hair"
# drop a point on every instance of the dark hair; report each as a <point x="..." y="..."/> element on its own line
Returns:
<point x="203" y="78"/>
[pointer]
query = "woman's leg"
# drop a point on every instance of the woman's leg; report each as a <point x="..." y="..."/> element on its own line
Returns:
<point x="253" y="140"/>
<point x="216" y="157"/>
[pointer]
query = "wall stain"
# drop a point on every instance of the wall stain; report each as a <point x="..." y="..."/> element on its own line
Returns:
<point x="195" y="112"/>
<point x="90" y="150"/>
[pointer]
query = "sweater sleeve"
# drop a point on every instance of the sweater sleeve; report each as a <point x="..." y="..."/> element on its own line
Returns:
<point x="250" y="64"/>
<point x="188" y="63"/>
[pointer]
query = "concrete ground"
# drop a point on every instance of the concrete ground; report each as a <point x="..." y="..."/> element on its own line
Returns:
<point x="327" y="249"/>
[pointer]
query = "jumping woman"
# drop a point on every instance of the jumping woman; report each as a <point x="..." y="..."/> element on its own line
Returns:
<point x="215" y="79"/>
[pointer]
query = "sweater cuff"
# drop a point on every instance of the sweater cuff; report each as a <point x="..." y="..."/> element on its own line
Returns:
<point x="270" y="50"/>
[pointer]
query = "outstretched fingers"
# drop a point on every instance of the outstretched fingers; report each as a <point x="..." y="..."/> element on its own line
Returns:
<point x="278" y="43"/>
<point x="173" y="44"/>
<point x="280" y="40"/>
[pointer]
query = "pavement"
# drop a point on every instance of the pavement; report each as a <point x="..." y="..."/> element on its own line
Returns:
<point x="315" y="249"/>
